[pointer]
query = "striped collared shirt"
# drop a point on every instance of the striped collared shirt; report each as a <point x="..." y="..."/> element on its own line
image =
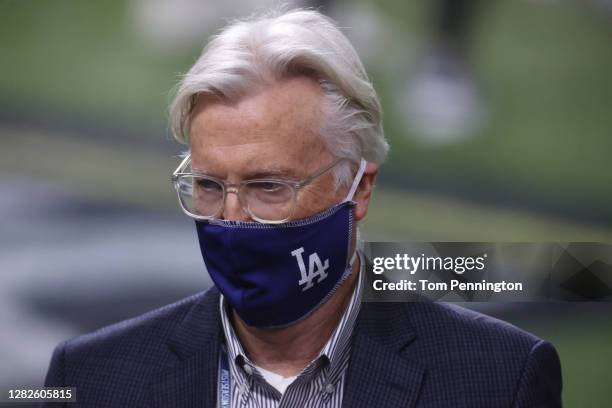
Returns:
<point x="320" y="384"/>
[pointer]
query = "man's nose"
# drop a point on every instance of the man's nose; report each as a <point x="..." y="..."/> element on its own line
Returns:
<point x="232" y="208"/>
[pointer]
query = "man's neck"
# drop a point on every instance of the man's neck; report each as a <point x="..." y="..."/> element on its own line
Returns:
<point x="289" y="350"/>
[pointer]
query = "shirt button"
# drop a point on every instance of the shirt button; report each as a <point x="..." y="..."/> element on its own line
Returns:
<point x="248" y="369"/>
<point x="329" y="388"/>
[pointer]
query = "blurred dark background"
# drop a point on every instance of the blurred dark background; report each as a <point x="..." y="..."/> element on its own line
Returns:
<point x="498" y="114"/>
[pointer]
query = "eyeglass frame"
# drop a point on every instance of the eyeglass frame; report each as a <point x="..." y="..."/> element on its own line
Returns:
<point x="296" y="186"/>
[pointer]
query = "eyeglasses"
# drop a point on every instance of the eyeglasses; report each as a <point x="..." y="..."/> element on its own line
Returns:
<point x="270" y="201"/>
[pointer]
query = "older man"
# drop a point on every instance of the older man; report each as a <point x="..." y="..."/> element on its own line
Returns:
<point x="285" y="138"/>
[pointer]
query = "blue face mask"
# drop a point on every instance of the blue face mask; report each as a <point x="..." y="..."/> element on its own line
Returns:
<point x="275" y="275"/>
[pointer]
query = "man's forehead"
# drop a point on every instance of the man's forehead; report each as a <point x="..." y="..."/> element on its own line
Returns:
<point x="276" y="129"/>
<point x="292" y="105"/>
<point x="252" y="143"/>
<point x="259" y="156"/>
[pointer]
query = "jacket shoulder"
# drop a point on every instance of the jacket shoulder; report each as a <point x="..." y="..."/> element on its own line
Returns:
<point x="448" y="324"/>
<point x="454" y="322"/>
<point x="135" y="339"/>
<point x="469" y="359"/>
<point x="447" y="334"/>
<point x="491" y="361"/>
<point x="116" y="365"/>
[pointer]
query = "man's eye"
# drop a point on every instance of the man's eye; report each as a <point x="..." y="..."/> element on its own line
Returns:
<point x="268" y="187"/>
<point x="208" y="185"/>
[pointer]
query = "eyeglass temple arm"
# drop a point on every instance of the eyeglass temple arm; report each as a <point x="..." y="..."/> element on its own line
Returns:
<point x="316" y="174"/>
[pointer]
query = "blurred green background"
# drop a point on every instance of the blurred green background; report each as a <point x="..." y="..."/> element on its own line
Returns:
<point x="84" y="90"/>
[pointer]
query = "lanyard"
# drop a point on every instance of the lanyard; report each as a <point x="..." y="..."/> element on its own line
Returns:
<point x="224" y="390"/>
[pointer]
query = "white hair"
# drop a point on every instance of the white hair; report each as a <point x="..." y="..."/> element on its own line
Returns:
<point x="248" y="54"/>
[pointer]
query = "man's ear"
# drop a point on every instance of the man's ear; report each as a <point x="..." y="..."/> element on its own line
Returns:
<point x="364" y="190"/>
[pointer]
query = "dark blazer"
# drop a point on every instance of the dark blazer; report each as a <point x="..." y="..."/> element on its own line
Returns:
<point x="403" y="355"/>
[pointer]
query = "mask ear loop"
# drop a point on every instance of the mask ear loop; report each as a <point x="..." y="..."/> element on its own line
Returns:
<point x="353" y="258"/>
<point x="349" y="197"/>
<point x="357" y="180"/>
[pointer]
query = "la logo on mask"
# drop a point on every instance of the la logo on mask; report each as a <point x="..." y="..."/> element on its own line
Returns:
<point x="313" y="262"/>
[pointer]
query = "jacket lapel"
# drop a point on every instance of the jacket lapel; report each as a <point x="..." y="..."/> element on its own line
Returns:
<point x="378" y="373"/>
<point x="192" y="380"/>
